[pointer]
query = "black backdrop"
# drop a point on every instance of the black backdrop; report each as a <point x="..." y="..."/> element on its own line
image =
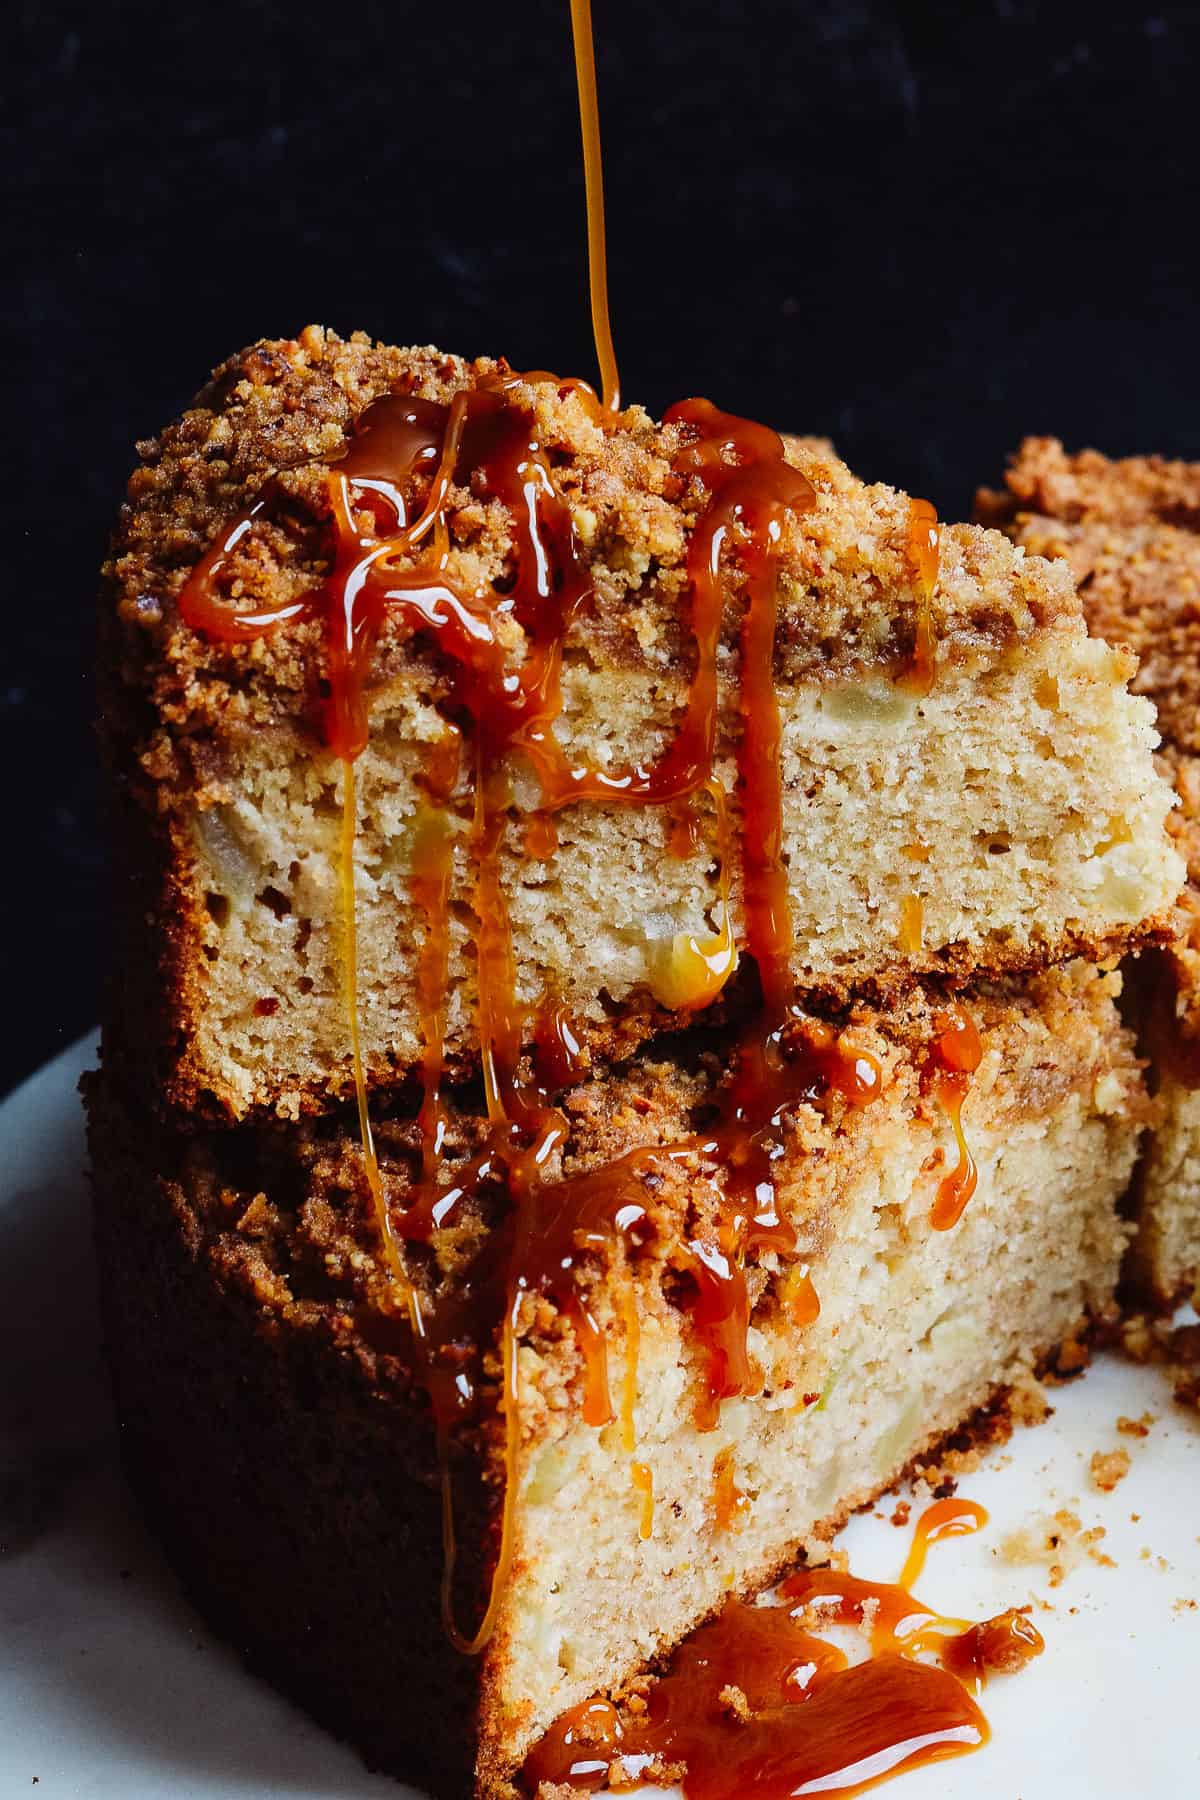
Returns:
<point x="925" y="230"/>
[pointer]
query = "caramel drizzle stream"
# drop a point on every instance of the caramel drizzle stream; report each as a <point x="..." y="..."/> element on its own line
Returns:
<point x="957" y="1054"/>
<point x="349" y="962"/>
<point x="923" y="552"/>
<point x="593" y="173"/>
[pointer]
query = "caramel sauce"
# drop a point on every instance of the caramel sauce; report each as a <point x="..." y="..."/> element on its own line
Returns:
<point x="558" y="1053"/>
<point x="912" y="924"/>
<point x="951" y="1517"/>
<point x="800" y="1296"/>
<point x="922" y="546"/>
<point x="589" y="120"/>
<point x="776" y="1070"/>
<point x="760" y="1702"/>
<point x="751" y="487"/>
<point x="642" y="1477"/>
<point x="541" y="837"/>
<point x="349" y="962"/>
<point x="957" y="1052"/>
<point x="429" y="886"/>
<point x="686" y="832"/>
<point x="729" y="1504"/>
<point x="1118" y="831"/>
<point x="697" y="968"/>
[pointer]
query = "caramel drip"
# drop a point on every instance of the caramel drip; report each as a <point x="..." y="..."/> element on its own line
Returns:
<point x="557" y="1051"/>
<point x="951" y="1517"/>
<point x="699" y="967"/>
<point x="589" y="121"/>
<point x="958" y="1052"/>
<point x="729" y="1503"/>
<point x="391" y="1252"/>
<point x="800" y="1297"/>
<point x="429" y="884"/>
<point x="758" y="1702"/>
<point x="686" y="834"/>
<point x="633" y="1344"/>
<point x="777" y="1070"/>
<point x="471" y="1645"/>
<point x="912" y="924"/>
<point x="541" y="837"/>
<point x="642" y="1477"/>
<point x="922" y="547"/>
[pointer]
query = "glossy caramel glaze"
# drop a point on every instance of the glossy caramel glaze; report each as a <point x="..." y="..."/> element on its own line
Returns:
<point x="923" y="549"/>
<point x="760" y="1703"/>
<point x="957" y="1054"/>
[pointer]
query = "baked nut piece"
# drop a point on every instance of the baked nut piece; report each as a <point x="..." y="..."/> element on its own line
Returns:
<point x="547" y="655"/>
<point x="279" y="1432"/>
<point x="1130" y="531"/>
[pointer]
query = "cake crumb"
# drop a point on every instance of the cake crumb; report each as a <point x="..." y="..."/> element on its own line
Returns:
<point x="1175" y="1348"/>
<point x="1057" y="1544"/>
<point x="1136" y="1427"/>
<point x="902" y="1513"/>
<point x="1184" y="1605"/>
<point x="734" y="1704"/>
<point x="1109" y="1468"/>
<point x="1027" y="1402"/>
<point x="1070" y="1360"/>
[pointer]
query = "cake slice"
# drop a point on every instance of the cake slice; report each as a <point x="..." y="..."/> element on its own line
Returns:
<point x="679" y="1404"/>
<point x="1130" y="530"/>
<point x="415" y="671"/>
<point x="1138" y="570"/>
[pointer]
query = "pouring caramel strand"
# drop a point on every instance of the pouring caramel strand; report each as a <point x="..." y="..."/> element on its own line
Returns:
<point x="593" y="174"/>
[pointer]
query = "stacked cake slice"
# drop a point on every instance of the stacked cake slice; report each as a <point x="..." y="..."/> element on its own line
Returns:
<point x="614" y="1049"/>
<point x="1130" y="532"/>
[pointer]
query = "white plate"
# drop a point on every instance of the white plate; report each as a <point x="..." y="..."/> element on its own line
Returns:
<point x="110" y="1689"/>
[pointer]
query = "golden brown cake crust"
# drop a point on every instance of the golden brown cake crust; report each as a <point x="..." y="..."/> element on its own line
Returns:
<point x="1043" y="477"/>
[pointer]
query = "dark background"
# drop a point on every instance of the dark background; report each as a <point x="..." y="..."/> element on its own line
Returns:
<point x="925" y="230"/>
